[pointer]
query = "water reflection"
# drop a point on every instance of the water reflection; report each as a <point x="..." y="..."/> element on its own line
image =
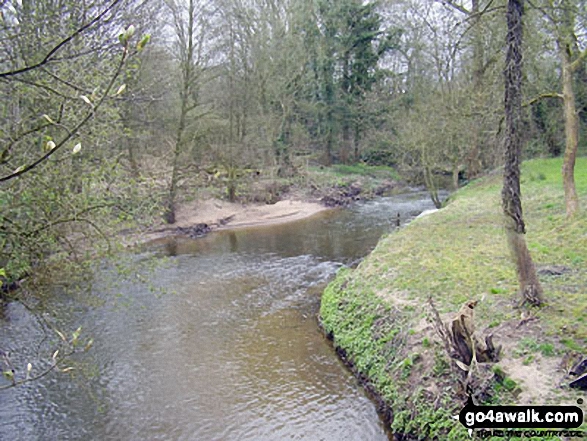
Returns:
<point x="233" y="353"/>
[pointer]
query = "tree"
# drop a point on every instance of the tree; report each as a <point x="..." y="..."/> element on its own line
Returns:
<point x="511" y="194"/>
<point x="344" y="43"/>
<point x="60" y="87"/>
<point x="480" y="30"/>
<point x="61" y="69"/>
<point x="190" y="22"/>
<point x="563" y="18"/>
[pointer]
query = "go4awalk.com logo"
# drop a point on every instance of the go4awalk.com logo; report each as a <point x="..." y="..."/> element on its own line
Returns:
<point x="524" y="420"/>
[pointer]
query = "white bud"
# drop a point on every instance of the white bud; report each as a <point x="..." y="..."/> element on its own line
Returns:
<point x="48" y="118"/>
<point x="130" y="31"/>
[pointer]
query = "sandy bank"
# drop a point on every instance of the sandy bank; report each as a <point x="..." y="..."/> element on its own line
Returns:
<point x="222" y="215"/>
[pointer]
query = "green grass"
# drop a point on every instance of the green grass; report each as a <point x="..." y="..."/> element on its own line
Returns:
<point x="457" y="254"/>
<point x="361" y="169"/>
<point x="354" y="171"/>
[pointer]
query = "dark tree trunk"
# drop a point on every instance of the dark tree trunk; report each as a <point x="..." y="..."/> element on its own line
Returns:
<point x="511" y="194"/>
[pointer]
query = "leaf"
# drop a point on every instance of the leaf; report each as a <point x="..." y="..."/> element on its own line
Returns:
<point x="67" y="369"/>
<point x="60" y="334"/>
<point x="55" y="354"/>
<point x="89" y="345"/>
<point x="86" y="100"/>
<point x="144" y="41"/>
<point x="120" y="90"/>
<point x="9" y="375"/>
<point x="19" y="169"/>
<point x="462" y="365"/>
<point x="5" y="155"/>
<point x="76" y="148"/>
<point x="75" y="335"/>
<point x="48" y="118"/>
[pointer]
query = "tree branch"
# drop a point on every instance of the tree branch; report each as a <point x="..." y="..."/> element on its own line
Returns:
<point x="543" y="11"/>
<point x="456" y="6"/>
<point x="541" y="97"/>
<point x="61" y="44"/>
<point x="71" y="133"/>
<point x="575" y="64"/>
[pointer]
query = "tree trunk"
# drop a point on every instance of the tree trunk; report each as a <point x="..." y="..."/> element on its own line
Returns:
<point x="132" y="157"/>
<point x="431" y="186"/>
<point x="511" y="193"/>
<point x="172" y="195"/>
<point x="186" y="91"/>
<point x="474" y="156"/>
<point x="346" y="143"/>
<point x="455" y="176"/>
<point x="357" y="142"/>
<point x="571" y="134"/>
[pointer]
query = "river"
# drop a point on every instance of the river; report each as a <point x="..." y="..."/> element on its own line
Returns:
<point x="230" y="351"/>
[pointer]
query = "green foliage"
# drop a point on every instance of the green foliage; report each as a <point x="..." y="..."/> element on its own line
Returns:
<point x="354" y="315"/>
<point x="529" y="345"/>
<point x="454" y="255"/>
<point x="361" y="169"/>
<point x="344" y="43"/>
<point x="572" y="344"/>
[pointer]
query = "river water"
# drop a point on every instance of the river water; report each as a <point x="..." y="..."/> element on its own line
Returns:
<point x="230" y="351"/>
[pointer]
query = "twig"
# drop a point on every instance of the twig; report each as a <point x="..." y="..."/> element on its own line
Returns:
<point x="72" y="132"/>
<point x="60" y="45"/>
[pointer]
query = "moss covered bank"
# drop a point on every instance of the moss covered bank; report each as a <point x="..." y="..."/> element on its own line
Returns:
<point x="381" y="323"/>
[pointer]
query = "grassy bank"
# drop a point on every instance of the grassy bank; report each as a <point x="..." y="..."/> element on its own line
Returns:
<point x="380" y="320"/>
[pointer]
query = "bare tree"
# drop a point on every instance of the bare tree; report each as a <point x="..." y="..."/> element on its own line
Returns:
<point x="563" y="18"/>
<point x="511" y="193"/>
<point x="190" y="26"/>
<point x="571" y="59"/>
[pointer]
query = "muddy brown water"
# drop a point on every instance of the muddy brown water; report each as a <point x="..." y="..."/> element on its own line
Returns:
<point x="231" y="350"/>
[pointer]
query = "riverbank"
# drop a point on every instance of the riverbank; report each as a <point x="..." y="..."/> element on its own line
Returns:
<point x="384" y="327"/>
<point x="200" y="217"/>
<point x="262" y="202"/>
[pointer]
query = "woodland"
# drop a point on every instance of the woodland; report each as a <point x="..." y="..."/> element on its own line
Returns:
<point x="112" y="112"/>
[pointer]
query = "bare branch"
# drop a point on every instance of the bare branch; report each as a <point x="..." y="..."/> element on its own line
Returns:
<point x="60" y="45"/>
<point x="453" y="4"/>
<point x="541" y="97"/>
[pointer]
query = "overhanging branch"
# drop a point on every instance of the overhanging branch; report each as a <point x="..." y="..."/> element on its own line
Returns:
<point x="60" y="45"/>
<point x="72" y="132"/>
